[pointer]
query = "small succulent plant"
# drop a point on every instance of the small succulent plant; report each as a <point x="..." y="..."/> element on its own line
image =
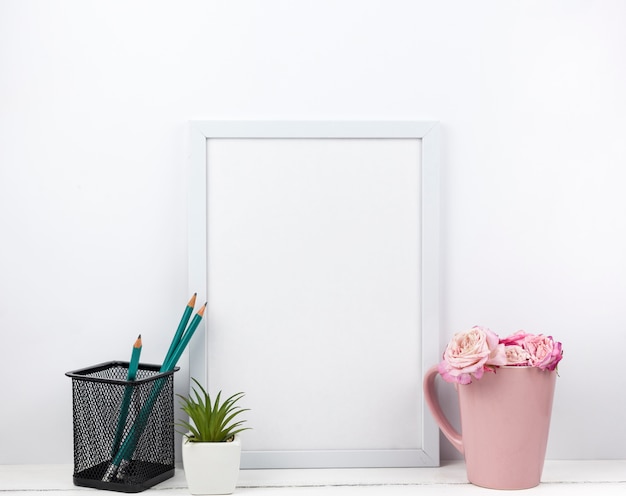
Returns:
<point x="211" y="421"/>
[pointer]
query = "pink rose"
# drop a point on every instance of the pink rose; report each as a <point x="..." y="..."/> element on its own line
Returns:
<point x="469" y="353"/>
<point x="516" y="355"/>
<point x="545" y="353"/>
<point x="532" y="350"/>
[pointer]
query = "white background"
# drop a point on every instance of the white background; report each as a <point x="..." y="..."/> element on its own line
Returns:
<point x="95" y="99"/>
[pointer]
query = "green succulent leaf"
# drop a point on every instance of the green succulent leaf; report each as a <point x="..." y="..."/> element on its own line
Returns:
<point x="211" y="421"/>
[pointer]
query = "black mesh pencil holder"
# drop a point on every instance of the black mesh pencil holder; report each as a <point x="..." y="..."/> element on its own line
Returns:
<point x="123" y="430"/>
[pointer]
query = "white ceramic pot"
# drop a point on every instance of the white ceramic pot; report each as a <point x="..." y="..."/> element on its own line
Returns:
<point x="212" y="468"/>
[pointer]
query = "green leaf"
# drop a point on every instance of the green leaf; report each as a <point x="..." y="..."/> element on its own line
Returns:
<point x="211" y="421"/>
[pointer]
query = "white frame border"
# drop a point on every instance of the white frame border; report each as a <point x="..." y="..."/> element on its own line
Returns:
<point x="429" y="134"/>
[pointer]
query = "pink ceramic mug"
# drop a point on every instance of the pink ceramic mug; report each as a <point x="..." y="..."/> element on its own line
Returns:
<point x="505" y="419"/>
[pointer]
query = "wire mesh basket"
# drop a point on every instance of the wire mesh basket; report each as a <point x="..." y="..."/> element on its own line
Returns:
<point x="123" y="430"/>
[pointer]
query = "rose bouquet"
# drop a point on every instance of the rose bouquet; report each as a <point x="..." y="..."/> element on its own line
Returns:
<point x="470" y="353"/>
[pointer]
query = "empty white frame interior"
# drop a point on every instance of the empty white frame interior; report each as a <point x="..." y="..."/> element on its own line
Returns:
<point x="315" y="244"/>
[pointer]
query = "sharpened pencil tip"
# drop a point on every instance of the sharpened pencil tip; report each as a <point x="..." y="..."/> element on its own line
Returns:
<point x="201" y="311"/>
<point x="192" y="302"/>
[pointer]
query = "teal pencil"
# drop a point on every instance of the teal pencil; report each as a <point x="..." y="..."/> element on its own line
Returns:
<point x="181" y="327"/>
<point x="127" y="448"/>
<point x="173" y="359"/>
<point x="133" y="366"/>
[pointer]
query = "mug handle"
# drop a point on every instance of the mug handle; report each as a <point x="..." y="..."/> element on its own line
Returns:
<point x="430" y="394"/>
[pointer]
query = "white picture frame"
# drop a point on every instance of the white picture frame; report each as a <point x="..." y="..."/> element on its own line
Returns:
<point x="218" y="148"/>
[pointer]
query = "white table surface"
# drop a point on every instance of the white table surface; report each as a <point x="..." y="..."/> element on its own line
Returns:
<point x="571" y="478"/>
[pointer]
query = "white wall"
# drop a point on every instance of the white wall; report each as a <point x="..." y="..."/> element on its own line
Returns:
<point x="94" y="103"/>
